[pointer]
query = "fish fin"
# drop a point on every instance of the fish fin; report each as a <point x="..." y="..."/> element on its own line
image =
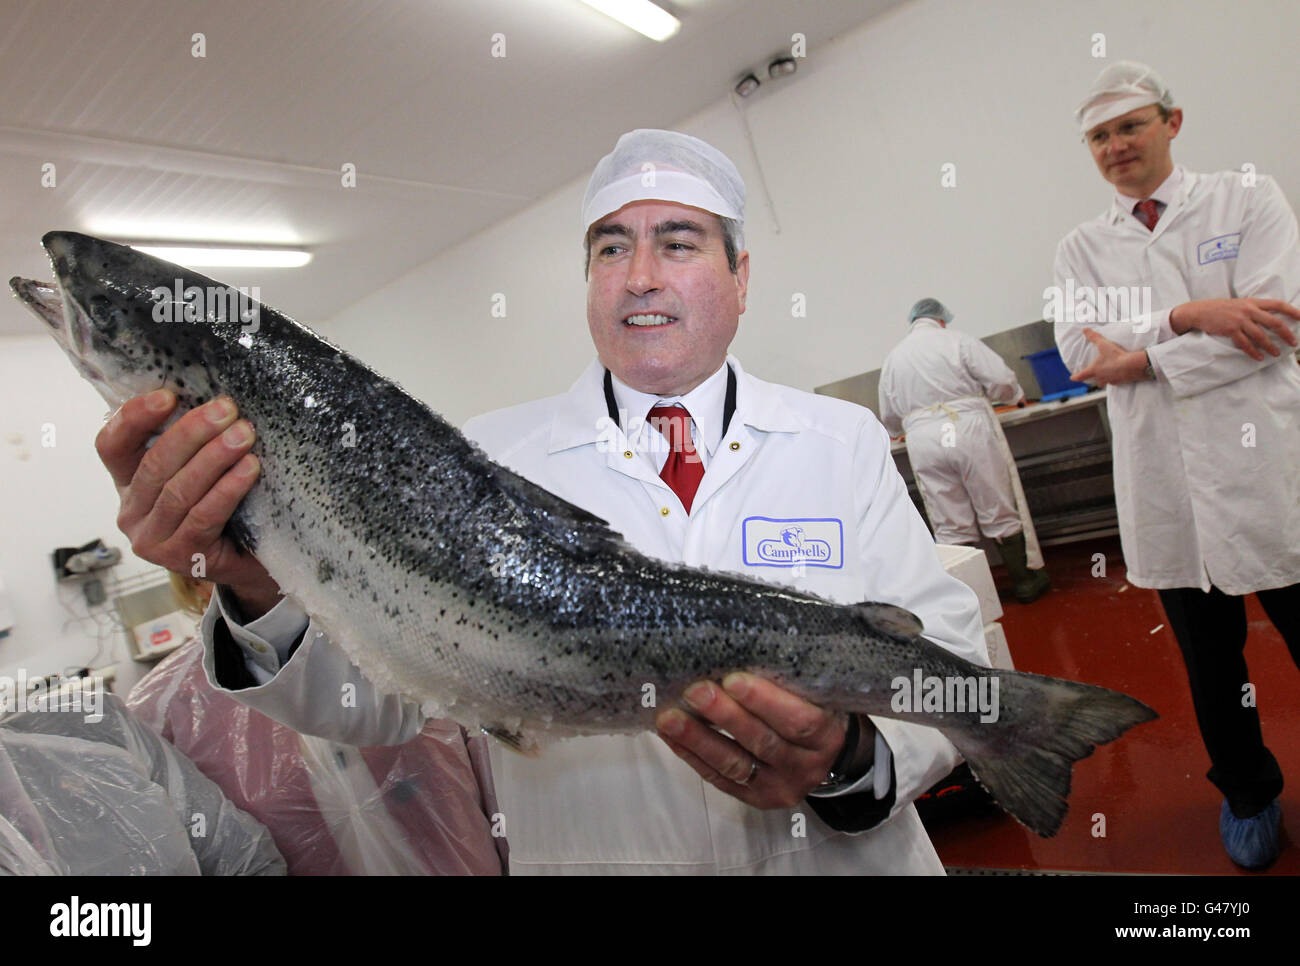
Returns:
<point x="894" y="621"/>
<point x="514" y="740"/>
<point x="1026" y="765"/>
<point x="568" y="525"/>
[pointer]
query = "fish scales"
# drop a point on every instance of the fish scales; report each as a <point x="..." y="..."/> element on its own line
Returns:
<point x="449" y="578"/>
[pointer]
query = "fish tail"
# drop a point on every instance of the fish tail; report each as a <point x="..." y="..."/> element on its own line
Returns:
<point x="1026" y="763"/>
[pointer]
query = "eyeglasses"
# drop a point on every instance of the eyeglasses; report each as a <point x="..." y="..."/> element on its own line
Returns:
<point x="1127" y="130"/>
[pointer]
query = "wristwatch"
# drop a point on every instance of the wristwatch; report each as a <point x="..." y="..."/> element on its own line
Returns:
<point x="851" y="764"/>
<point x="1150" y="370"/>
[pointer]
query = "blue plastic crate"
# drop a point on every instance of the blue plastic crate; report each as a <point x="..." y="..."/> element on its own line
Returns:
<point x="1053" y="378"/>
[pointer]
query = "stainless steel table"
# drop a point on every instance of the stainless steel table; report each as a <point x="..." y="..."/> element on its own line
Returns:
<point x="1062" y="450"/>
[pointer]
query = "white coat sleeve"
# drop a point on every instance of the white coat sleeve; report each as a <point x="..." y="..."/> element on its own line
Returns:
<point x="1267" y="267"/>
<point x="902" y="567"/>
<point x="1069" y="322"/>
<point x="988" y="369"/>
<point x="301" y="685"/>
<point x="889" y="414"/>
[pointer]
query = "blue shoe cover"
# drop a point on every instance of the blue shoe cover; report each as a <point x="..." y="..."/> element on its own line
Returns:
<point x="1251" y="842"/>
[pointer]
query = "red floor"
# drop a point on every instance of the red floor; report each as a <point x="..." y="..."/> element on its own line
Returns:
<point x="1161" y="814"/>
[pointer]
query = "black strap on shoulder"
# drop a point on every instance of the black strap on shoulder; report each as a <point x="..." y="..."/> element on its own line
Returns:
<point x="610" y="404"/>
<point x="728" y="405"/>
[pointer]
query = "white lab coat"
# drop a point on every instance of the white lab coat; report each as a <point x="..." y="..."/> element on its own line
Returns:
<point x="627" y="804"/>
<point x="1207" y="458"/>
<point x="934" y="386"/>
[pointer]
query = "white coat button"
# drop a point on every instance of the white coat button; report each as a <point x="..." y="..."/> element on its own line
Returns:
<point x="735" y="446"/>
<point x="663" y="510"/>
<point x="259" y="647"/>
<point x="627" y="454"/>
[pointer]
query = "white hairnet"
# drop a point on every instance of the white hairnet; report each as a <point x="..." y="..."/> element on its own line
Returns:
<point x="1121" y="87"/>
<point x="930" y="309"/>
<point x="651" y="165"/>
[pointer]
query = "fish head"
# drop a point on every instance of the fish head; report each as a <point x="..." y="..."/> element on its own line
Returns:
<point x="45" y="300"/>
<point x="130" y="322"/>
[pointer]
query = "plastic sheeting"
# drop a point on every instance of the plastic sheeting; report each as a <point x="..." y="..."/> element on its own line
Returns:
<point x="110" y="797"/>
<point x="425" y="807"/>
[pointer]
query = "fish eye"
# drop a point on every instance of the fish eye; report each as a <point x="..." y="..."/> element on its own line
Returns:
<point x="104" y="313"/>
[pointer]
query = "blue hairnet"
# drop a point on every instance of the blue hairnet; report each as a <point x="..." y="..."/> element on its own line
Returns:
<point x="929" y="309"/>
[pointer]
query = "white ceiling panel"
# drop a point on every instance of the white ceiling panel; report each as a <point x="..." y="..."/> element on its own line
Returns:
<point x="246" y="143"/>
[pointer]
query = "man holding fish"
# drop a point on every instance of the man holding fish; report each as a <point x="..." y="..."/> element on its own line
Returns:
<point x="693" y="460"/>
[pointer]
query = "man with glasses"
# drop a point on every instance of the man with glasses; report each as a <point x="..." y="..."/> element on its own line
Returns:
<point x="1173" y="298"/>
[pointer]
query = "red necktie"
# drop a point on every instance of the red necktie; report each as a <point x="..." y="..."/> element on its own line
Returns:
<point x="1147" y="213"/>
<point x="683" y="469"/>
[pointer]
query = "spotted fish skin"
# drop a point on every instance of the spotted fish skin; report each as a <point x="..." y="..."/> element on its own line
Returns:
<point x="448" y="578"/>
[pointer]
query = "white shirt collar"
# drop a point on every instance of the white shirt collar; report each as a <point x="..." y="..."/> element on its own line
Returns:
<point x="581" y="417"/>
<point x="1165" y="194"/>
<point x="705" y="403"/>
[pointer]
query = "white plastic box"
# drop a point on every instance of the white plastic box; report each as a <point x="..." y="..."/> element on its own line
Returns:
<point x="162" y="635"/>
<point x="971" y="567"/>
<point x="999" y="653"/>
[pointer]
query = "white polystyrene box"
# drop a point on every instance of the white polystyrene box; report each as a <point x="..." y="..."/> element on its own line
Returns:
<point x="999" y="651"/>
<point x="971" y="567"/>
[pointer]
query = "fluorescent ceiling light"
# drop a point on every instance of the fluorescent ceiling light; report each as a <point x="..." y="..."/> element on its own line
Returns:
<point x="641" y="15"/>
<point x="193" y="257"/>
<point x="241" y="232"/>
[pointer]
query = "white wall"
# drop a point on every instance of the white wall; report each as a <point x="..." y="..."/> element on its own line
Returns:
<point x="852" y="148"/>
<point x="54" y="496"/>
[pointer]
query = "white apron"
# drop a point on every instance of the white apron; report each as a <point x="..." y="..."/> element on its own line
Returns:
<point x="986" y="488"/>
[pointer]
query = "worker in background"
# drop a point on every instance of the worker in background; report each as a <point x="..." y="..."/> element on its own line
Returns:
<point x="936" y="386"/>
<point x="1204" y="404"/>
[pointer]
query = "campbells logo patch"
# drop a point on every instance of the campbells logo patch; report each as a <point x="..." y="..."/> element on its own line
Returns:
<point x="1217" y="249"/>
<point x="809" y="542"/>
